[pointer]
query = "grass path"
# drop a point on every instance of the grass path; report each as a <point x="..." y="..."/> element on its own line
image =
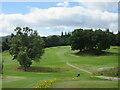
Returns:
<point x="109" y="78"/>
<point x="102" y="77"/>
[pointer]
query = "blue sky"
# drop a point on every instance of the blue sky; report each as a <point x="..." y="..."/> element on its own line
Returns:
<point x="23" y="7"/>
<point x="65" y="19"/>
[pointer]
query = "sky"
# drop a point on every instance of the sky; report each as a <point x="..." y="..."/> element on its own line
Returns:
<point x="52" y="18"/>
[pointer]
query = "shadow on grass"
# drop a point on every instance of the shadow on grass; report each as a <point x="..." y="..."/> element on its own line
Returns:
<point x="41" y="69"/>
<point x="95" y="53"/>
<point x="114" y="48"/>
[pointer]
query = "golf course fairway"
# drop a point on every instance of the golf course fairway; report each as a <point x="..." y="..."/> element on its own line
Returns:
<point x="53" y="65"/>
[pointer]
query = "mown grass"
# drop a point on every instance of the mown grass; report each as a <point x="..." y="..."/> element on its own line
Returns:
<point x="86" y="84"/>
<point x="0" y="70"/>
<point x="53" y="65"/>
<point x="0" y="81"/>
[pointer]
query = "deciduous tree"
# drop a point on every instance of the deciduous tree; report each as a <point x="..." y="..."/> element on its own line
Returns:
<point x="26" y="45"/>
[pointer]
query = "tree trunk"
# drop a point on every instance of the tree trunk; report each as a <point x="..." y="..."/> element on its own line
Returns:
<point x="25" y="68"/>
<point x="29" y="65"/>
<point x="80" y="50"/>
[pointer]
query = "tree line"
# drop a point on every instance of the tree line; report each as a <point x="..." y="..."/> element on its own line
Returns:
<point x="26" y="45"/>
<point x="64" y="38"/>
<point x="50" y="41"/>
<point x="57" y="40"/>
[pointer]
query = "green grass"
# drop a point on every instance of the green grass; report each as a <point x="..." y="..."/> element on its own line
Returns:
<point x="0" y="81"/>
<point x="53" y="65"/>
<point x="86" y="84"/>
<point x="0" y="70"/>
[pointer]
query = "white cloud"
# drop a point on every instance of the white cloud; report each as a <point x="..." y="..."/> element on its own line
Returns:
<point x="59" y="18"/>
<point x="101" y="5"/>
<point x="65" y="4"/>
<point x="95" y="0"/>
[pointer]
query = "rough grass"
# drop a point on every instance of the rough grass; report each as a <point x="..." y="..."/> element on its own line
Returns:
<point x="114" y="72"/>
<point x="55" y="58"/>
<point x="41" y="69"/>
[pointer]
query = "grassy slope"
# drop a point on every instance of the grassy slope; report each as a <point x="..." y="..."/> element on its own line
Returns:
<point x="57" y="58"/>
<point x="0" y="81"/>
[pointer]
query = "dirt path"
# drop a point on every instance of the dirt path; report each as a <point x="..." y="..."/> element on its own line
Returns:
<point x="78" y="68"/>
<point x="102" y="77"/>
<point x="110" y="78"/>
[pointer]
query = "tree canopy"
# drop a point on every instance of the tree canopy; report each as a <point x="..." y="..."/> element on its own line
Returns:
<point x="89" y="40"/>
<point x="26" y="45"/>
<point x="56" y="40"/>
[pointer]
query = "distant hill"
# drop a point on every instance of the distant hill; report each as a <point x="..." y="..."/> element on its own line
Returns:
<point x="3" y="38"/>
<point x="51" y="36"/>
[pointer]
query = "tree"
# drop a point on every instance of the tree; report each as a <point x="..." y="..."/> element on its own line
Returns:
<point x="77" y="40"/>
<point x="61" y="34"/>
<point x="102" y="40"/>
<point x="65" y="33"/>
<point x="5" y="45"/>
<point x="118" y="38"/>
<point x="112" y="37"/>
<point x="24" y="60"/>
<point x="65" y="38"/>
<point x="53" y="41"/>
<point x="26" y="45"/>
<point x="89" y="40"/>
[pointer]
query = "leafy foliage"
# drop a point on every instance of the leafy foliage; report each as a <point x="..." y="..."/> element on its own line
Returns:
<point x="118" y="39"/>
<point x="89" y="40"/>
<point x="53" y="41"/>
<point x="113" y="37"/>
<point x="26" y="46"/>
<point x="56" y="40"/>
<point x="5" y="45"/>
